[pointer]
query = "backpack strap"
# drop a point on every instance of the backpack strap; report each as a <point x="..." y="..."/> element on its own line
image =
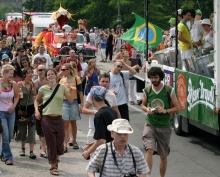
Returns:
<point x="121" y="74"/>
<point x="168" y="94"/>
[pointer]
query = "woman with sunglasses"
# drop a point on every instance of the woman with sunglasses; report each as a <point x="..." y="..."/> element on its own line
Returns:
<point x="92" y="74"/>
<point x="71" y="111"/>
<point x="51" y="119"/>
<point x="119" y="55"/>
<point x="26" y="130"/>
<point x="9" y="96"/>
<point x="18" y="54"/>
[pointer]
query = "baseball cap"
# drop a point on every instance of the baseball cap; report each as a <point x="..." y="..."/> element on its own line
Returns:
<point x="4" y="56"/>
<point x="172" y="21"/>
<point x="120" y="125"/>
<point x="198" y="12"/>
<point x="179" y="11"/>
<point x="206" y="21"/>
<point x="98" y="92"/>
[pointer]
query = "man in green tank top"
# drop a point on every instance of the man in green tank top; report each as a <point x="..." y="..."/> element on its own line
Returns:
<point x="157" y="102"/>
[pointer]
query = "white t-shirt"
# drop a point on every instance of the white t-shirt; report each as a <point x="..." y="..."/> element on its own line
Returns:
<point x="67" y="28"/>
<point x="84" y="66"/>
<point x="110" y="97"/>
<point x="196" y="30"/>
<point x="45" y="55"/>
<point x="92" y="36"/>
<point x="116" y="84"/>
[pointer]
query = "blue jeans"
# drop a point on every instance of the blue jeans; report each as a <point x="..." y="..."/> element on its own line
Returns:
<point x="8" y="121"/>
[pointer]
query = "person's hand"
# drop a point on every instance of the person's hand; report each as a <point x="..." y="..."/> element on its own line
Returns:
<point x="115" y="92"/>
<point x="95" y="111"/>
<point x="11" y="109"/>
<point x="85" y="154"/>
<point x="80" y="108"/>
<point x="37" y="115"/>
<point x="149" y="110"/>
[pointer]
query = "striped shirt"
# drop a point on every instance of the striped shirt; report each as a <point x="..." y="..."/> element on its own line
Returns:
<point x="125" y="162"/>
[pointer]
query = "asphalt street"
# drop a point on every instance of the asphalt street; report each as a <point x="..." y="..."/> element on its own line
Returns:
<point x="194" y="155"/>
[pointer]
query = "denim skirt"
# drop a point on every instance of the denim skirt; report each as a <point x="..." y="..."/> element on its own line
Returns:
<point x="70" y="110"/>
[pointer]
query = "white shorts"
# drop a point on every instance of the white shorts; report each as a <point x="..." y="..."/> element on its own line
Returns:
<point x="186" y="54"/>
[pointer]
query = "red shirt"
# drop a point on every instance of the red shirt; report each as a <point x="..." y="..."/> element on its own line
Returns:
<point x="69" y="60"/>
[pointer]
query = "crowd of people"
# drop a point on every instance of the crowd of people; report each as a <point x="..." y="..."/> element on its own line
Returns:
<point x="35" y="97"/>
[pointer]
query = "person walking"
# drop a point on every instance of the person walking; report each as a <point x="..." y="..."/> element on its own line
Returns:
<point x="117" y="85"/>
<point x="71" y="111"/>
<point x="92" y="73"/>
<point x="26" y="126"/>
<point x="157" y="102"/>
<point x="9" y="97"/>
<point x="118" y="158"/>
<point x="51" y="118"/>
<point x="110" y="100"/>
<point x="41" y="69"/>
<point x="103" y="117"/>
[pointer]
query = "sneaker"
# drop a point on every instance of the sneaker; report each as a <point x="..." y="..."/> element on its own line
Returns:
<point x="32" y="156"/>
<point x="132" y="102"/>
<point x="22" y="153"/>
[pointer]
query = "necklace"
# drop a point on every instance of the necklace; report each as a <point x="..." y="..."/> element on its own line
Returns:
<point x="6" y="86"/>
<point x="28" y="85"/>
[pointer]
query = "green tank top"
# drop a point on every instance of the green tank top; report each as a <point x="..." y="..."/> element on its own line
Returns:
<point x="158" y="99"/>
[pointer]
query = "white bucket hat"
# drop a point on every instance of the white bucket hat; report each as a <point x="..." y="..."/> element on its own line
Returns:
<point x="120" y="126"/>
<point x="206" y="21"/>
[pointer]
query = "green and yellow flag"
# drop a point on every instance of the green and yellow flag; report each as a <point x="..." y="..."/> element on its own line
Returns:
<point x="136" y="35"/>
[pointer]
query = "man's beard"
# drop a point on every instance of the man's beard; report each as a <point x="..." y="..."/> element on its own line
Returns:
<point x="156" y="83"/>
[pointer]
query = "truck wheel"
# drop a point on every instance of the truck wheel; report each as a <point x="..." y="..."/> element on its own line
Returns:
<point x="177" y="124"/>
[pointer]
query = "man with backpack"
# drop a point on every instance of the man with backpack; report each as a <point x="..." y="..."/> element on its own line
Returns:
<point x="118" y="158"/>
<point x="159" y="102"/>
<point x="118" y="79"/>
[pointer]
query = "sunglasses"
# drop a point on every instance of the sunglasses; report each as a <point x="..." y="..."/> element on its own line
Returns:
<point x="41" y="69"/>
<point x="119" y="66"/>
<point x="21" y="51"/>
<point x="64" y="69"/>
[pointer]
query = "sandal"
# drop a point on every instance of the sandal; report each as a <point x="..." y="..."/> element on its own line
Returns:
<point x="53" y="171"/>
<point x="43" y="154"/>
<point x="70" y="142"/>
<point x="75" y="145"/>
<point x="8" y="162"/>
<point x="3" y="159"/>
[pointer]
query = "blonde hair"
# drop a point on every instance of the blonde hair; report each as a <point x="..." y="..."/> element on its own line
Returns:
<point x="6" y="68"/>
<point x="70" y="68"/>
<point x="89" y="64"/>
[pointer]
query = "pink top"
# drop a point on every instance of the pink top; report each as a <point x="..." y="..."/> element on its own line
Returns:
<point x="6" y="100"/>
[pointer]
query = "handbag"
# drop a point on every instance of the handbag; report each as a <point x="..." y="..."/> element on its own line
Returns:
<point x="42" y="106"/>
<point x="23" y="117"/>
<point x="77" y="93"/>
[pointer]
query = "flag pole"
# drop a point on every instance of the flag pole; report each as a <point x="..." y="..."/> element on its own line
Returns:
<point x="147" y="3"/>
<point x="176" y="34"/>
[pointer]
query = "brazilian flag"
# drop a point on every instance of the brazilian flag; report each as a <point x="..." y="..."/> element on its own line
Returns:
<point x="136" y="35"/>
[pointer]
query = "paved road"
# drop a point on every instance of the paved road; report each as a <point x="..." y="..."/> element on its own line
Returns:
<point x="196" y="155"/>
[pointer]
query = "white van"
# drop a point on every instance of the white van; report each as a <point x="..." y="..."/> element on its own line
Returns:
<point x="41" y="21"/>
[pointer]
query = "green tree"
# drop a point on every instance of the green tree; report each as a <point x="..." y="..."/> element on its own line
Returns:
<point x="7" y="9"/>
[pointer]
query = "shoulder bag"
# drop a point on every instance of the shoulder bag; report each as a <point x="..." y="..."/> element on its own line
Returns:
<point x="42" y="106"/>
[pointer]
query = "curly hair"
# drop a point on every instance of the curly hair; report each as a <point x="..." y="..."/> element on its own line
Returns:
<point x="153" y="71"/>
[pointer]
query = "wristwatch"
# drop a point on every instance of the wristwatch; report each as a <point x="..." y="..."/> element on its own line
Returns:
<point x="168" y="111"/>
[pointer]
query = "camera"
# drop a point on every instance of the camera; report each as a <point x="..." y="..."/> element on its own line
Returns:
<point x="130" y="175"/>
<point x="154" y="110"/>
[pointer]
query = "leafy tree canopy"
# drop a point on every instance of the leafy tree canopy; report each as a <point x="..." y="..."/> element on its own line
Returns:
<point x="104" y="13"/>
